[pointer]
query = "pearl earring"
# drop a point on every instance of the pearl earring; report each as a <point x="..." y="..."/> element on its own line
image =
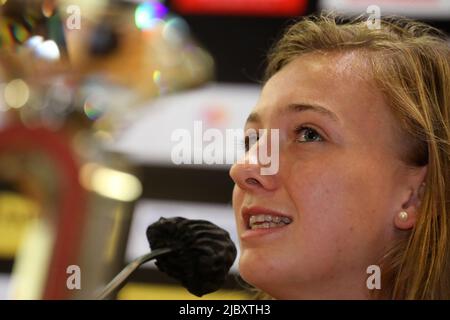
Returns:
<point x="403" y="215"/>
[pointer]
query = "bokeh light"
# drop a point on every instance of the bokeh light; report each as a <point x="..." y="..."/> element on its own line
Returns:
<point x="110" y="183"/>
<point x="92" y="110"/>
<point x="16" y="93"/>
<point x="159" y="81"/>
<point x="48" y="50"/>
<point x="156" y="76"/>
<point x="34" y="41"/>
<point x="149" y="14"/>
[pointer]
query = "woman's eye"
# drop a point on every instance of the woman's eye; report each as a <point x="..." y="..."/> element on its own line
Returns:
<point x="307" y="134"/>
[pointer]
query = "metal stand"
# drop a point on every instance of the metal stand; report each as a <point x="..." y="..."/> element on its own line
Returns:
<point x="128" y="270"/>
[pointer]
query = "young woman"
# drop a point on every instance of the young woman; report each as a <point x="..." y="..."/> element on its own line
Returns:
<point x="364" y="164"/>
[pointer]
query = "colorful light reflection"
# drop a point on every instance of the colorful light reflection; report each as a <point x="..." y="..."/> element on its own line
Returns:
<point x="149" y="14"/>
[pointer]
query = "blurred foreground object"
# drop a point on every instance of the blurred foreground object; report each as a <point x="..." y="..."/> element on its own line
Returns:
<point x="66" y="91"/>
<point x="197" y="253"/>
<point x="203" y="253"/>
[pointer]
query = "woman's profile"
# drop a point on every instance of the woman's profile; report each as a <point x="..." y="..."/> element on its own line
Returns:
<point x="364" y="164"/>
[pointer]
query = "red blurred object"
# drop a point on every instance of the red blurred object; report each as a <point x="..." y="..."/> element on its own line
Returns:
<point x="242" y="7"/>
<point x="71" y="208"/>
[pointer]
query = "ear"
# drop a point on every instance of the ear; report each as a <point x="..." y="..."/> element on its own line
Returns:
<point x="406" y="215"/>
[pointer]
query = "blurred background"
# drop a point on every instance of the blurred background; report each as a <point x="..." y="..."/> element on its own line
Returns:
<point x="90" y="94"/>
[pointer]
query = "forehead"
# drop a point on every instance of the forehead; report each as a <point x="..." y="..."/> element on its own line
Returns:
<point x="341" y="82"/>
<point x="324" y="78"/>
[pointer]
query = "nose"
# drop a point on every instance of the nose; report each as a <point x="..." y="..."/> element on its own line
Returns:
<point x="248" y="173"/>
<point x="248" y="178"/>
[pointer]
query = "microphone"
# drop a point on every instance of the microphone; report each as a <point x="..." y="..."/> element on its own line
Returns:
<point x="197" y="253"/>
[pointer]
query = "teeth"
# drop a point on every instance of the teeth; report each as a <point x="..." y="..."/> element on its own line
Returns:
<point x="265" y="221"/>
<point x="260" y="218"/>
<point x="286" y="220"/>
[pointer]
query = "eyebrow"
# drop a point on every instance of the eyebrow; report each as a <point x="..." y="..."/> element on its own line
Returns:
<point x="298" y="107"/>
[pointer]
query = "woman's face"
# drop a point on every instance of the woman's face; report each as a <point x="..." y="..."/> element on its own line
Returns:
<point x="339" y="182"/>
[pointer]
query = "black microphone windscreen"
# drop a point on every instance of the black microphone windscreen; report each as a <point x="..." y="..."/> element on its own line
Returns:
<point x="202" y="253"/>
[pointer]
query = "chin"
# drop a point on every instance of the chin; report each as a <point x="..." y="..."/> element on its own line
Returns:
<point x="258" y="271"/>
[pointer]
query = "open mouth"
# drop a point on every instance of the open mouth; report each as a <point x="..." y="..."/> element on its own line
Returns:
<point x="266" y="221"/>
<point x="261" y="218"/>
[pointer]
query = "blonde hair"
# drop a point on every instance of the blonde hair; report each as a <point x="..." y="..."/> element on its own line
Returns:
<point x="410" y="63"/>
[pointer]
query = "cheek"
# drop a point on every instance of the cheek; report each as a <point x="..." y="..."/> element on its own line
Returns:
<point x="340" y="214"/>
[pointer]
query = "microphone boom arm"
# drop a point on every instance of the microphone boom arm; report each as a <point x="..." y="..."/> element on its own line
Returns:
<point x="129" y="269"/>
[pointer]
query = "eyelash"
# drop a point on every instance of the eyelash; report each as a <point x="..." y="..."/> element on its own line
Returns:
<point x="246" y="142"/>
